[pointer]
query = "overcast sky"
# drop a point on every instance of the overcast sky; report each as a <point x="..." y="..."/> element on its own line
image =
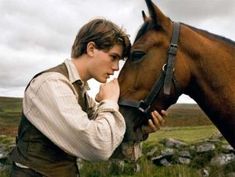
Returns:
<point x="36" y="35"/>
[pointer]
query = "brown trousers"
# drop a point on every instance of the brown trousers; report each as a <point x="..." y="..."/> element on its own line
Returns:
<point x="23" y="172"/>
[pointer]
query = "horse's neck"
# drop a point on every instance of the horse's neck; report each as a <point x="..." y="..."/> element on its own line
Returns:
<point x="212" y="66"/>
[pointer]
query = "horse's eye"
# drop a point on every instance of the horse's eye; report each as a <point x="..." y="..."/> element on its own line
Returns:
<point x="137" y="55"/>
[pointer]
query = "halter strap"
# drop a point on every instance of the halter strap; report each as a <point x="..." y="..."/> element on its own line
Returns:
<point x="171" y="58"/>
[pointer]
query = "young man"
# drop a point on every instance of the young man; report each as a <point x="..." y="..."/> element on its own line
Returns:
<point x="60" y="122"/>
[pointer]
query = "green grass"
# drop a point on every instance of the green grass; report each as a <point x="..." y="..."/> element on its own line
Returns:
<point x="186" y="134"/>
<point x="148" y="169"/>
<point x="179" y="115"/>
<point x="185" y="122"/>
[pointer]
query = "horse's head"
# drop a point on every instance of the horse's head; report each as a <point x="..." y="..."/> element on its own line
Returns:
<point x="153" y="77"/>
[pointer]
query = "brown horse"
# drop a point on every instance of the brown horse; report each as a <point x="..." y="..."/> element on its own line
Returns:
<point x="168" y="59"/>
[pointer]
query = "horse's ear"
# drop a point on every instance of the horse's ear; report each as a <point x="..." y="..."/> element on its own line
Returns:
<point x="155" y="13"/>
<point x="144" y="16"/>
<point x="151" y="9"/>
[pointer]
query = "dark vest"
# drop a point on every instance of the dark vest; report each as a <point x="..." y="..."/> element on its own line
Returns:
<point x="36" y="151"/>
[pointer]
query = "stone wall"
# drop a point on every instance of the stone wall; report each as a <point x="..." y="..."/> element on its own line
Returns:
<point x="205" y="156"/>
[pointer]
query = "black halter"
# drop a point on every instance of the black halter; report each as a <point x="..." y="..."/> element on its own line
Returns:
<point x="164" y="81"/>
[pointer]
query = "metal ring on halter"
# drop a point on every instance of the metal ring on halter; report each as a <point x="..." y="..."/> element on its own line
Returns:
<point x="164" y="68"/>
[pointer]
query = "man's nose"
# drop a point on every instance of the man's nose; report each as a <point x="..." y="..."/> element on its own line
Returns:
<point x="116" y="66"/>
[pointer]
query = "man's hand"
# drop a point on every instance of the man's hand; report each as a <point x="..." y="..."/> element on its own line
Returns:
<point x="109" y="91"/>
<point x="155" y="122"/>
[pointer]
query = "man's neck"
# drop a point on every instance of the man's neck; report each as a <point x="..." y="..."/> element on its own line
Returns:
<point x="81" y="64"/>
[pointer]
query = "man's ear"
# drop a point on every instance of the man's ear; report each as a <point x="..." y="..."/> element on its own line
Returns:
<point x="90" y="49"/>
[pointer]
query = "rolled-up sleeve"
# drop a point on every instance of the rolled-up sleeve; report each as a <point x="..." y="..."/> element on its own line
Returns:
<point x="51" y="105"/>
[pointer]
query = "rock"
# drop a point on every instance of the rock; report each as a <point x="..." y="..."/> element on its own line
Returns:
<point x="170" y="142"/>
<point x="152" y="152"/>
<point x="205" y="172"/>
<point x="228" y="148"/>
<point x="168" y="152"/>
<point x="184" y="160"/>
<point x="3" y="155"/>
<point x="184" y="157"/>
<point x="203" y="155"/>
<point x="185" y="154"/>
<point x="231" y="174"/>
<point x="205" y="147"/>
<point x="222" y="159"/>
<point x="162" y="160"/>
<point x="165" y="162"/>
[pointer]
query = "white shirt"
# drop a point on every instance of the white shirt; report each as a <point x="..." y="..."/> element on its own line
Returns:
<point x="51" y="104"/>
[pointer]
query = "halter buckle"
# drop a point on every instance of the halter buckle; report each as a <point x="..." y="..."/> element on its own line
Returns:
<point x="173" y="49"/>
<point x="143" y="107"/>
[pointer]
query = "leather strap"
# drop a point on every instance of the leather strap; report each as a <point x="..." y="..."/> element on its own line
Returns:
<point x="171" y="58"/>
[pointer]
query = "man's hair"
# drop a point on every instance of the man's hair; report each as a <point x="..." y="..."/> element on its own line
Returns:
<point x="104" y="33"/>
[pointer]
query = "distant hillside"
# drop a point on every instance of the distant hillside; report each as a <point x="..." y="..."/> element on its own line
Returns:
<point x="179" y="115"/>
<point x="10" y="109"/>
<point x="186" y="115"/>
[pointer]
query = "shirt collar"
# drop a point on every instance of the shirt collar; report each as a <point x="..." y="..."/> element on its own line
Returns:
<point x="74" y="74"/>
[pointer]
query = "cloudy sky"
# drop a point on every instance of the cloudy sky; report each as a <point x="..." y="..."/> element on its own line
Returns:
<point x="36" y="35"/>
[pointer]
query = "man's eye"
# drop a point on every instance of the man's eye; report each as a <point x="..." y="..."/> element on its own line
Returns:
<point x="114" y="57"/>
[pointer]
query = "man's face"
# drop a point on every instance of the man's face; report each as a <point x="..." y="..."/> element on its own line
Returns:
<point x="105" y="63"/>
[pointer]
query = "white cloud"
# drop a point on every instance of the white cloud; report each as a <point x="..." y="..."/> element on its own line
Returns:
<point x="38" y="34"/>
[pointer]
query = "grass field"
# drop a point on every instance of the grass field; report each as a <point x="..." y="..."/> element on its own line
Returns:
<point x="10" y="109"/>
<point x="180" y="115"/>
<point x="187" y="134"/>
<point x="147" y="168"/>
<point x="185" y="122"/>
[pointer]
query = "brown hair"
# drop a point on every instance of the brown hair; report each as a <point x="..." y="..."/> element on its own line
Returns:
<point x="105" y="34"/>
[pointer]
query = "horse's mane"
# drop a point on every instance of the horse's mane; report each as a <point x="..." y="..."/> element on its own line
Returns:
<point x="145" y="27"/>
<point x="229" y="41"/>
<point x="148" y="25"/>
<point x="142" y="30"/>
